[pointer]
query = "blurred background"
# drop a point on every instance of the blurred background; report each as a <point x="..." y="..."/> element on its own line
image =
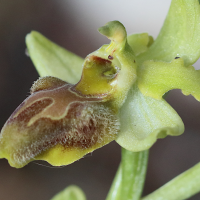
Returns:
<point x="73" y="25"/>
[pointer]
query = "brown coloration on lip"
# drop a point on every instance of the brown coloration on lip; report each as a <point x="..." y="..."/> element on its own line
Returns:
<point x="79" y="129"/>
<point x="99" y="60"/>
<point x="32" y="110"/>
<point x="56" y="116"/>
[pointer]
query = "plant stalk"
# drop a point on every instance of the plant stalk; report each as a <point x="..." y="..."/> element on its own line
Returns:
<point x="129" y="180"/>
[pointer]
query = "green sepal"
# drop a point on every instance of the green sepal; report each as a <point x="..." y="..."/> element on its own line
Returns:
<point x="144" y="119"/>
<point x="179" y="36"/>
<point x="157" y="78"/>
<point x="52" y="60"/>
<point x="72" y="192"/>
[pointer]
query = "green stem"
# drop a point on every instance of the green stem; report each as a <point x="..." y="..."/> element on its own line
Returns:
<point x="134" y="166"/>
<point x="182" y="187"/>
<point x="115" y="190"/>
<point x="129" y="180"/>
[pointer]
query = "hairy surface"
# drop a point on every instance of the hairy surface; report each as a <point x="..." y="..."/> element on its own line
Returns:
<point x="57" y="116"/>
<point x="47" y="82"/>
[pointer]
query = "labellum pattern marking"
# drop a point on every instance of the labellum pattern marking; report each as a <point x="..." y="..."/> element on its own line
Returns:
<point x="56" y="115"/>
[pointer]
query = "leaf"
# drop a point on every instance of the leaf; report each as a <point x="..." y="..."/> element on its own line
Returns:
<point x="53" y="60"/>
<point x="144" y="119"/>
<point x="181" y="187"/>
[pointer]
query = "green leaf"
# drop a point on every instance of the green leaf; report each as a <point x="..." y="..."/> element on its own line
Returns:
<point x="53" y="60"/>
<point x="157" y="78"/>
<point x="179" y="36"/>
<point x="144" y="119"/>
<point x="181" y="187"/>
<point x="70" y="193"/>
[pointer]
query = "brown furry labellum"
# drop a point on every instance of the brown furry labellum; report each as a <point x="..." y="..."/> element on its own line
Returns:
<point x="54" y="114"/>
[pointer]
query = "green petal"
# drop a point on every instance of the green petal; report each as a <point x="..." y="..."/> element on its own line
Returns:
<point x="139" y="42"/>
<point x="53" y="60"/>
<point x="179" y="36"/>
<point x="144" y="119"/>
<point x="156" y="78"/>
<point x="70" y="193"/>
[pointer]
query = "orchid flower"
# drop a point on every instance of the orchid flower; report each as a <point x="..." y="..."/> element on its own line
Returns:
<point x="116" y="93"/>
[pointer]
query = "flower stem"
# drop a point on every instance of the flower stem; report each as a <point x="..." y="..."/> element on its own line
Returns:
<point x="115" y="190"/>
<point x="181" y="187"/>
<point x="134" y="166"/>
<point x="129" y="179"/>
